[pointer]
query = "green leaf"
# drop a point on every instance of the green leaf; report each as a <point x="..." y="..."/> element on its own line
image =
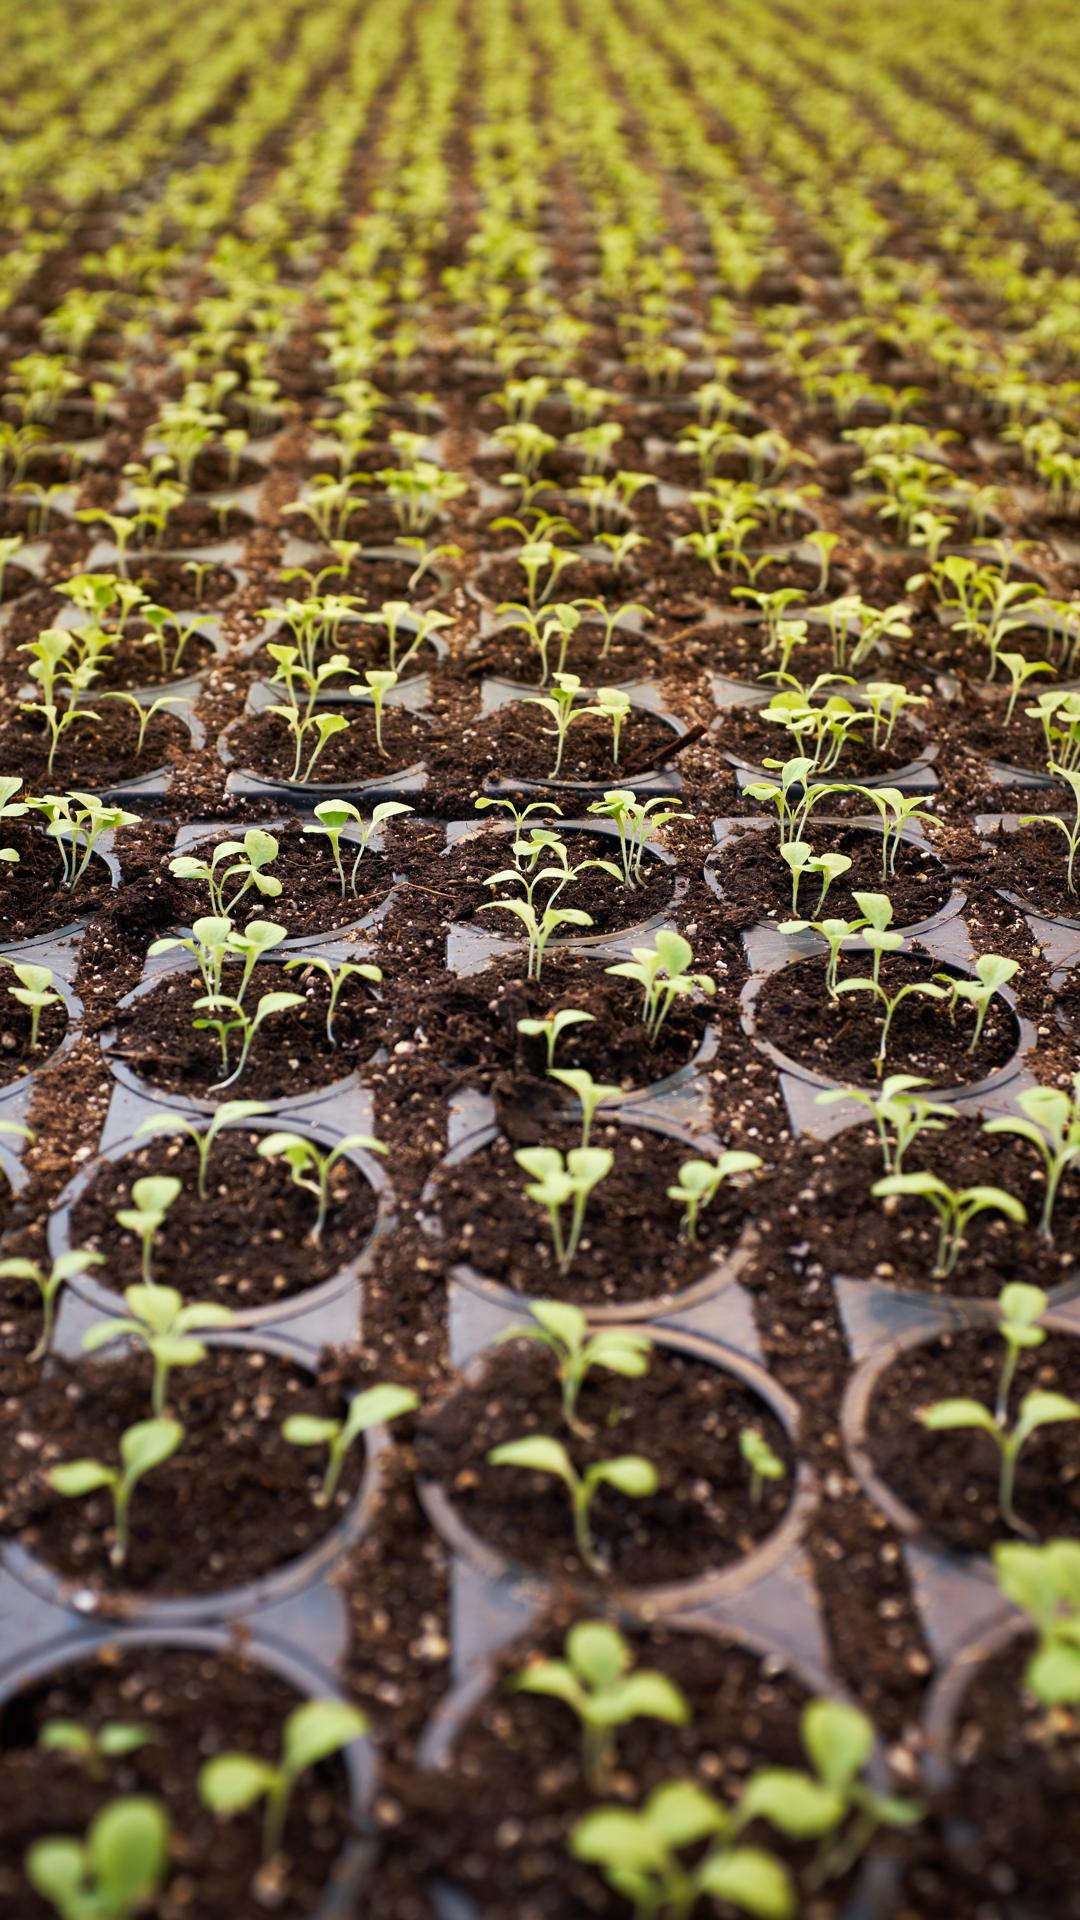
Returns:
<point x="539" y="1454"/>
<point x="318" y="1729"/>
<point x="128" y="1850"/>
<point x="1053" y="1675"/>
<point x="233" y="1781"/>
<point x="642" y="1696"/>
<point x="54" y="1868"/>
<point x="798" y="1805"/>
<point x="838" y="1738"/>
<point x="628" y="1473"/>
<point x="309" y="1430"/>
<point x="614" y="1837"/>
<point x="77" y="1477"/>
<point x="751" y="1880"/>
<point x="683" y="1814"/>
<point x="949" y="1415"/>
<point x="377" y="1405"/>
<point x="148" y="1444"/>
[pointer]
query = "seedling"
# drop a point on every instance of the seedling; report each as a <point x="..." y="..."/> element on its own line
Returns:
<point x="316" y="731"/>
<point x="552" y="1026"/>
<point x="312" y="1169"/>
<point x="202" y="1137"/>
<point x="701" y="1180"/>
<point x="1021" y="1308"/>
<point x="334" y="816"/>
<point x="564" y="1330"/>
<point x="834" y="933"/>
<point x="112" y="1874"/>
<point x="955" y="1209"/>
<point x="993" y="971"/>
<point x="881" y="940"/>
<point x="245" y="860"/>
<point x="1052" y="1124"/>
<point x="663" y="973"/>
<point x="112" y="1741"/>
<point x="639" y="1851"/>
<point x="555" y="1182"/>
<point x="34" y="992"/>
<point x="77" y="822"/>
<point x="638" y="822"/>
<point x="336" y="977"/>
<point x="144" y="713"/>
<point x="146" y="1445"/>
<point x="895" y="810"/>
<point x="64" y="1268"/>
<point x="1070" y="829"/>
<point x="158" y="1320"/>
<point x="378" y="682"/>
<point x="539" y="927"/>
<point x="628" y="1473"/>
<point x="834" y="1803"/>
<point x="561" y="705"/>
<point x="374" y="1407"/>
<point x="597" y="1681"/>
<point x="763" y="1463"/>
<point x="590" y="1093"/>
<point x="153" y="1195"/>
<point x="800" y="857"/>
<point x="900" y="1114"/>
<point x="1045" y="1583"/>
<point x="233" y="1782"/>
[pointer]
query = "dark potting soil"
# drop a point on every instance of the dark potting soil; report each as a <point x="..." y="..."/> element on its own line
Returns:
<point x="518" y="743"/>
<point x="841" y="1038"/>
<point x="94" y="753"/>
<point x="950" y="1480"/>
<point x="489" y="1225"/>
<point x="248" y="1244"/>
<point x="195" y="523"/>
<point x="137" y="661"/>
<point x="513" y="1785"/>
<point x="16" y="581"/>
<point x="1010" y="1804"/>
<point x="1021" y="743"/>
<point x="1033" y="862"/>
<point x="470" y="1025"/>
<point x="16" y="1056"/>
<point x="823" y="1205"/>
<point x="290" y="1054"/>
<point x="739" y="651"/>
<point x="743" y="732"/>
<point x="364" y="647"/>
<point x="33" y="897"/>
<point x="375" y="578"/>
<point x="178" y="584"/>
<point x="311" y="899"/>
<point x="612" y="906"/>
<point x="234" y="1503"/>
<point x="756" y="884"/>
<point x="195" y="1704"/>
<point x="685" y="1416"/>
<point x="265" y="747"/>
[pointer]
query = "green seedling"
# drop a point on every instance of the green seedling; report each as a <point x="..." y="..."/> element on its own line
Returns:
<point x="374" y="1407"/>
<point x="900" y="1113"/>
<point x="146" y="1445"/>
<point x="112" y="1741"/>
<point x="638" y="822"/>
<point x="233" y="1782"/>
<point x="312" y="1168"/>
<point x="49" y="1285"/>
<point x="245" y="860"/>
<point x="597" y="1680"/>
<point x="1044" y="1582"/>
<point x="34" y="992"/>
<point x="1051" y="1122"/>
<point x="701" y="1180"/>
<point x="663" y="973"/>
<point x="551" y="1027"/>
<point x="589" y="1093"/>
<point x="152" y="1196"/>
<point x="202" y="1138"/>
<point x="564" y="1330"/>
<point x="629" y="1474"/>
<point x="763" y="1463"/>
<point x="336" y="977"/>
<point x="556" y="1183"/>
<point x="334" y="816"/>
<point x="993" y="971"/>
<point x="639" y="1853"/>
<point x="111" y="1875"/>
<point x="158" y="1320"/>
<point x="955" y="1209"/>
<point x="77" y="822"/>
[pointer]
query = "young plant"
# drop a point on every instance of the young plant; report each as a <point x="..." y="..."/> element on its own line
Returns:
<point x="233" y="1782"/>
<point x="900" y="1114"/>
<point x="245" y="860"/>
<point x="552" y="1026"/>
<point x="112" y="1741"/>
<point x="153" y="1195"/>
<point x="1044" y="1582"/>
<point x="639" y="1853"/>
<point x="879" y="937"/>
<point x="146" y="1445"/>
<point x="638" y="821"/>
<point x="336" y="977"/>
<point x="158" y="1319"/>
<point x="589" y="1093"/>
<point x="334" y="816"/>
<point x="202" y="1138"/>
<point x="662" y="971"/>
<point x="629" y="1473"/>
<point x="701" y="1180"/>
<point x="993" y="971"/>
<point x="1038" y="1409"/>
<point x="1051" y="1123"/>
<point x="561" y="705"/>
<point x="111" y="1875"/>
<point x="763" y="1463"/>
<point x="955" y="1209"/>
<point x="374" y="1407"/>
<point x="556" y="1183"/>
<point x="64" y="1268"/>
<point x="34" y="992"/>
<point x="1069" y="828"/>
<point x="597" y="1680"/>
<point x="564" y="1330"/>
<point x="77" y="822"/>
<point x="311" y="1168"/>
